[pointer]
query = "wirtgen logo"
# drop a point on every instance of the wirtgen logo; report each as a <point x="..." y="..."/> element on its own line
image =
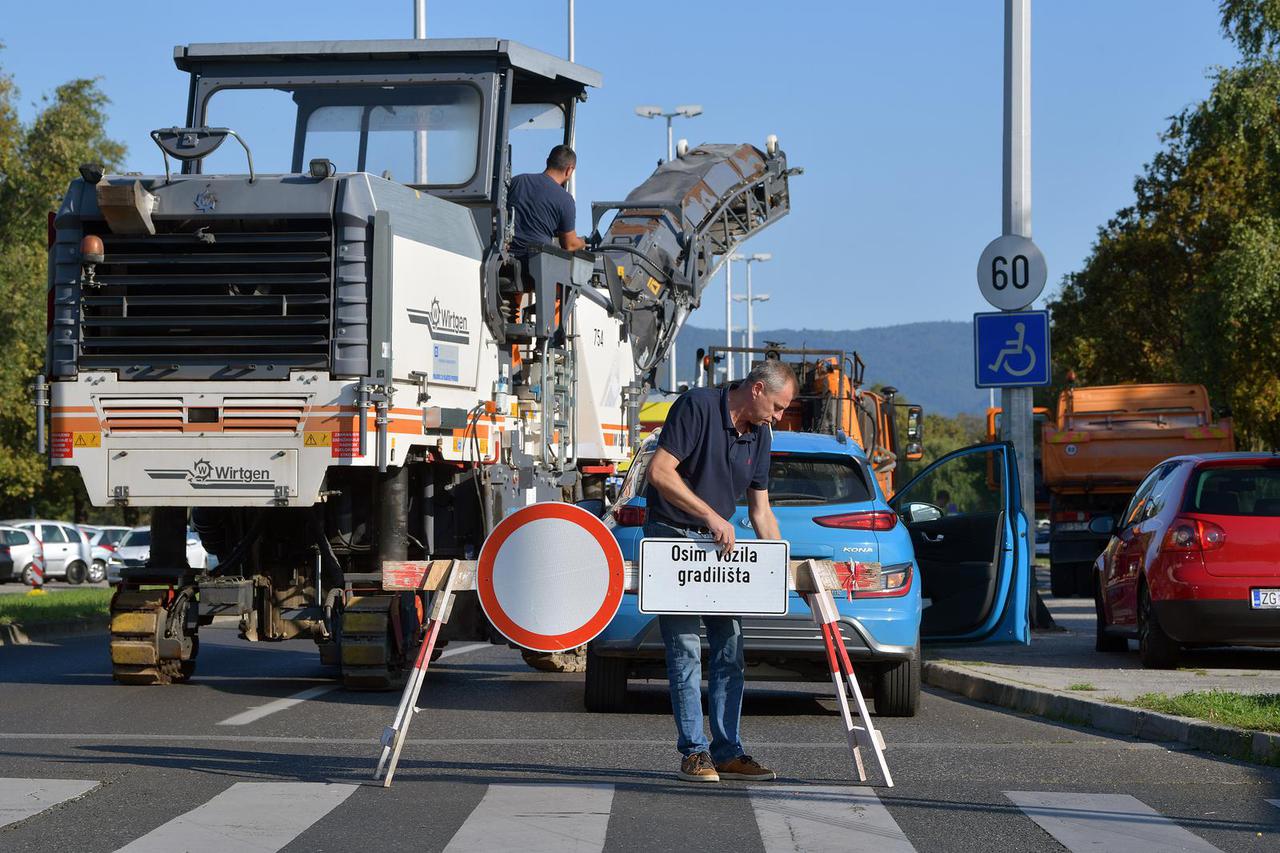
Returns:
<point x="205" y="475"/>
<point x="443" y="324"/>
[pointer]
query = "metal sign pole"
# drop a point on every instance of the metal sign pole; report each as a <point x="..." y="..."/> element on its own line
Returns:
<point x="1017" y="417"/>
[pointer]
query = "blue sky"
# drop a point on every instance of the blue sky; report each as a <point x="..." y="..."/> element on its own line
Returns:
<point x="893" y="110"/>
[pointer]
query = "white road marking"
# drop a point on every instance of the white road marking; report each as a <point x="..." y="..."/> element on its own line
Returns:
<point x="254" y="714"/>
<point x="1106" y="822"/>
<point x="536" y="818"/>
<point x="1275" y="803"/>
<point x="920" y="746"/>
<point x="821" y="818"/>
<point x="22" y="798"/>
<point x="248" y="817"/>
<point x="462" y="650"/>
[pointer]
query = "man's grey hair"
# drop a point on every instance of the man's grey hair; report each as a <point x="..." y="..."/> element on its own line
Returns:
<point x="776" y="376"/>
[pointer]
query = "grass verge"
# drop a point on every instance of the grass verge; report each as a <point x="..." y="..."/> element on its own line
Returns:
<point x="63" y="606"/>
<point x="1253" y="711"/>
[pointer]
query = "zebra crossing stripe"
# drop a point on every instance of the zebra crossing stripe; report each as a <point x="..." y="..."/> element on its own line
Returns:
<point x="22" y="798"/>
<point x="537" y="818"/>
<point x="822" y="818"/>
<point x="1106" y="822"/>
<point x="248" y="817"/>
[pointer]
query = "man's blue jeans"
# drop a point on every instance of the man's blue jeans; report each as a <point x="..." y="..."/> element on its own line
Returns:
<point x="684" y="672"/>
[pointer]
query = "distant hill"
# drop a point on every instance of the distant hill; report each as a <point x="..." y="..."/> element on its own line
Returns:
<point x="929" y="363"/>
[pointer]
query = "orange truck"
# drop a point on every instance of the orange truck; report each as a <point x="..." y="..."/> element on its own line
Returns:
<point x="831" y="398"/>
<point x="1102" y="443"/>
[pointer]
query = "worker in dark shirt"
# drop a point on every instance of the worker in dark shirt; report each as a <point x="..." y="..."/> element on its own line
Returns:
<point x="542" y="208"/>
<point x="714" y="446"/>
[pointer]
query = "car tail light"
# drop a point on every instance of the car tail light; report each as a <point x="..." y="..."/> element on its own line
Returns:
<point x="4" y="549"/>
<point x="630" y="516"/>
<point x="871" y="580"/>
<point x="108" y="546"/>
<point x="1193" y="534"/>
<point x="878" y="519"/>
<point x="51" y="230"/>
<point x="1073" y="515"/>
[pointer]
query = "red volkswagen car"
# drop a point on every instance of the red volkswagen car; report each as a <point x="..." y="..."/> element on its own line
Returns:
<point x="1195" y="559"/>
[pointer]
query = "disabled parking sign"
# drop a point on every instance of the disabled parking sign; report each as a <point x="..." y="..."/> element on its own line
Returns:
<point x="1011" y="349"/>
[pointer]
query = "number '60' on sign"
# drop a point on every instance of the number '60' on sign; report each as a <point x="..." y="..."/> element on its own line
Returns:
<point x="1011" y="272"/>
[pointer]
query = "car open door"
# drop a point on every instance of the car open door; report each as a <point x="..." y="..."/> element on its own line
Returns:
<point x="972" y="546"/>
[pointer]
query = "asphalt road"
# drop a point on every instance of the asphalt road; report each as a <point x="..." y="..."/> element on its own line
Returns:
<point x="505" y="758"/>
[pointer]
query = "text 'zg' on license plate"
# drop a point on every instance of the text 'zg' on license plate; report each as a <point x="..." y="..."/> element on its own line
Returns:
<point x="1265" y="599"/>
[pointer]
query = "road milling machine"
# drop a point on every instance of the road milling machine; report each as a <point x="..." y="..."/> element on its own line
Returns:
<point x="308" y="333"/>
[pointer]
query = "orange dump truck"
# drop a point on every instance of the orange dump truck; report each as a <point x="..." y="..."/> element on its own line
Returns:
<point x="1104" y="441"/>
<point x="830" y="398"/>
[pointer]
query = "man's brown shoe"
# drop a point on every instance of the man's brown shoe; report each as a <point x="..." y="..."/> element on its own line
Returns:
<point x="746" y="768"/>
<point x="698" y="768"/>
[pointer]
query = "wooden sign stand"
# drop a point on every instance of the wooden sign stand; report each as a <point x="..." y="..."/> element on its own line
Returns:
<point x="827" y="618"/>
<point x="814" y="579"/>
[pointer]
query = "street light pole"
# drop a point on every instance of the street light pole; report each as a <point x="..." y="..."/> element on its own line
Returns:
<point x="728" y="320"/>
<point x="750" y="299"/>
<point x="688" y="111"/>
<point x="573" y="129"/>
<point x="420" y="135"/>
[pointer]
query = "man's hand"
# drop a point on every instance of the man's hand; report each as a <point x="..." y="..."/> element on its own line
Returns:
<point x="722" y="531"/>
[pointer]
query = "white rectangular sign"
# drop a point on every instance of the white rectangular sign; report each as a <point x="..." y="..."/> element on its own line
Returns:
<point x="209" y="473"/>
<point x="691" y="576"/>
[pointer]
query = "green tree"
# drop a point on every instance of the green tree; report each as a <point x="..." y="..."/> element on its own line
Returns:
<point x="1179" y="286"/>
<point x="37" y="161"/>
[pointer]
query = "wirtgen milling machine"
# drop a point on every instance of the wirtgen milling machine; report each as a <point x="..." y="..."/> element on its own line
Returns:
<point x="338" y="364"/>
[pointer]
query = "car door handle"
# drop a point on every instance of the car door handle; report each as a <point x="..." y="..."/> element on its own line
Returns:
<point x="926" y="537"/>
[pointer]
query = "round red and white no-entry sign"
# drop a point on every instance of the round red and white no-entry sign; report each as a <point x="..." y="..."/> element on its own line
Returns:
<point x="550" y="577"/>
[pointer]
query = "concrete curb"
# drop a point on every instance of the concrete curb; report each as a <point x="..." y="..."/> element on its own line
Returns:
<point x="14" y="634"/>
<point x="1261" y="747"/>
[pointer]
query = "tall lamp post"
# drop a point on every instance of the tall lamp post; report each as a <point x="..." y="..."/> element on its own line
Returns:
<point x="756" y="258"/>
<point x="728" y="321"/>
<point x="688" y="111"/>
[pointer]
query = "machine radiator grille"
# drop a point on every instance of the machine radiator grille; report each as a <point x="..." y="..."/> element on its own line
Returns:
<point x="242" y="293"/>
<point x="234" y="415"/>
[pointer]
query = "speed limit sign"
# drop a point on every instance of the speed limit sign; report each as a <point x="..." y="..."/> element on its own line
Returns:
<point x="1011" y="272"/>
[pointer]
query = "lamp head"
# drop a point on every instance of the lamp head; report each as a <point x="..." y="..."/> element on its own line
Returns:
<point x="648" y="111"/>
<point x="689" y="110"/>
<point x="762" y="256"/>
<point x="737" y="257"/>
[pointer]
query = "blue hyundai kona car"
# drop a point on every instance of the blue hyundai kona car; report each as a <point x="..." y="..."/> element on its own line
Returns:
<point x="952" y="549"/>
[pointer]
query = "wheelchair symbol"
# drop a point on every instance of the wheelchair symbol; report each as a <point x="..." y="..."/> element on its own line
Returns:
<point x="1012" y="349"/>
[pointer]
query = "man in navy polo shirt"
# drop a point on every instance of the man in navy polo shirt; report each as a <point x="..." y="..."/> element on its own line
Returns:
<point x="543" y="210"/>
<point x="714" y="446"/>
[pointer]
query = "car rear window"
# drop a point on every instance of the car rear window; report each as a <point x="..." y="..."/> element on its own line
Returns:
<point x="14" y="537"/>
<point x="813" y="480"/>
<point x="1235" y="490"/>
<point x="113" y="536"/>
<point x="136" y="538"/>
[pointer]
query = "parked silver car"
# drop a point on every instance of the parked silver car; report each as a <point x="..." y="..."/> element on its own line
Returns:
<point x="103" y="540"/>
<point x="20" y="555"/>
<point x="66" y="549"/>
<point x="135" y="548"/>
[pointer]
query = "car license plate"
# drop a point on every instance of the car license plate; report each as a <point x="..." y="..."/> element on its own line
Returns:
<point x="1265" y="599"/>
